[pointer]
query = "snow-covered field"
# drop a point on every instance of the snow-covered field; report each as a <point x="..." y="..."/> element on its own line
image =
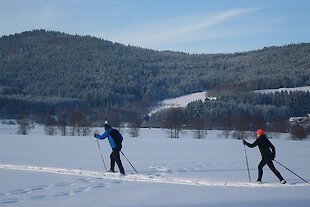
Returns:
<point x="40" y="170"/>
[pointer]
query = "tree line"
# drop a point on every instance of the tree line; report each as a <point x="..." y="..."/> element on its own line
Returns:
<point x="104" y="75"/>
<point x="240" y="112"/>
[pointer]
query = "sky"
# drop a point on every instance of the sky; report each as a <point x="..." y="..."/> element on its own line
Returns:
<point x="191" y="26"/>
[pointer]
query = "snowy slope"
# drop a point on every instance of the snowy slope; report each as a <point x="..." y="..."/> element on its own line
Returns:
<point x="39" y="170"/>
<point x="181" y="101"/>
<point x="304" y="88"/>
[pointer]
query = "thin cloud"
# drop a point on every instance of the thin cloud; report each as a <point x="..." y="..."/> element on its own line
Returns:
<point x="166" y="31"/>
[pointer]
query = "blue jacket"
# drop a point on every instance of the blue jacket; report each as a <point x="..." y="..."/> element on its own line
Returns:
<point x="115" y="138"/>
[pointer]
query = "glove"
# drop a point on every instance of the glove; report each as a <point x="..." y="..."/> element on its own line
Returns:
<point x="273" y="156"/>
<point x="244" y="142"/>
<point x="95" y="135"/>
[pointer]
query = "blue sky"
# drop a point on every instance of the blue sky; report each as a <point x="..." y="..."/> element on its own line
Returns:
<point x="193" y="26"/>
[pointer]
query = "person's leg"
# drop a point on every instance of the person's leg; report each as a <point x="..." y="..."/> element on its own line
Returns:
<point x="112" y="161"/>
<point x="274" y="170"/>
<point x="260" y="170"/>
<point x="118" y="161"/>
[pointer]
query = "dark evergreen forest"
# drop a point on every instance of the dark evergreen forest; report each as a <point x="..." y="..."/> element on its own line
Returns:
<point x="251" y="108"/>
<point x="42" y="71"/>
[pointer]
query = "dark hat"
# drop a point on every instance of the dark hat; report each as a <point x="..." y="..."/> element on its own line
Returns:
<point x="106" y="126"/>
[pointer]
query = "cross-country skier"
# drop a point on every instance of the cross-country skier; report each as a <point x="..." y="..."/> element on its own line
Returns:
<point x="115" y="139"/>
<point x="268" y="153"/>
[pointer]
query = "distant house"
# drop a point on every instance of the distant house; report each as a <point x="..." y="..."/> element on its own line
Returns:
<point x="296" y="119"/>
<point x="305" y="120"/>
<point x="211" y="98"/>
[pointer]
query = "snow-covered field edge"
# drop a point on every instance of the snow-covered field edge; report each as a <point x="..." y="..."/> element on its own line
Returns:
<point x="40" y="170"/>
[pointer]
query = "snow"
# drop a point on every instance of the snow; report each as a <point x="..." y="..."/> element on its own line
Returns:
<point x="303" y="88"/>
<point x="181" y="101"/>
<point x="40" y="170"/>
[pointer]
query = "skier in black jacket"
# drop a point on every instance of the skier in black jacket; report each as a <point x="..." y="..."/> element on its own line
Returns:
<point x="268" y="153"/>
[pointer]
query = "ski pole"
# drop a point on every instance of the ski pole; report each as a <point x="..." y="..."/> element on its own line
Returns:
<point x="247" y="163"/>
<point x="129" y="162"/>
<point x="290" y="170"/>
<point x="101" y="156"/>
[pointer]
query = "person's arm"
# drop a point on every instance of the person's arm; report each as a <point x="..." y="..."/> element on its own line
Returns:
<point x="273" y="149"/>
<point x="254" y="144"/>
<point x="103" y="136"/>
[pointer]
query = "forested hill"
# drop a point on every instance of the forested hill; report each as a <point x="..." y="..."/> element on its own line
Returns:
<point x="43" y="64"/>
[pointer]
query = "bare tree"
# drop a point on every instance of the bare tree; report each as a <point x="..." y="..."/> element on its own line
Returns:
<point x="113" y="117"/>
<point x="240" y="125"/>
<point x="174" y="120"/>
<point x="63" y="122"/>
<point x="24" y="124"/>
<point x="298" y="132"/>
<point x="50" y="125"/>
<point x="279" y="126"/>
<point x="80" y="123"/>
<point x="227" y="127"/>
<point x="199" y="127"/>
<point x="259" y="123"/>
<point x="134" y="127"/>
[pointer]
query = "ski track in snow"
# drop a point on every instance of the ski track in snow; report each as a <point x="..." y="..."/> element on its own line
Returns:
<point x="93" y="180"/>
<point x="151" y="178"/>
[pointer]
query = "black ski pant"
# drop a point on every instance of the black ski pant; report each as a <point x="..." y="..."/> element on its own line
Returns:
<point x="115" y="158"/>
<point x="270" y="164"/>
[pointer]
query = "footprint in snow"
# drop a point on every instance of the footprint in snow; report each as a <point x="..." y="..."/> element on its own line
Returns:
<point x="64" y="184"/>
<point x="21" y="191"/>
<point x="61" y="194"/>
<point x="38" y="197"/>
<point x="10" y="201"/>
<point x="98" y="185"/>
<point x="181" y="170"/>
<point x="160" y="169"/>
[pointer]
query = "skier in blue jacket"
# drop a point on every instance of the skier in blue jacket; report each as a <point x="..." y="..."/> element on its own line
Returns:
<point x="115" y="139"/>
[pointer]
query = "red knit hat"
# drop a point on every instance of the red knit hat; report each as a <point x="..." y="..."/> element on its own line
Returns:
<point x="259" y="132"/>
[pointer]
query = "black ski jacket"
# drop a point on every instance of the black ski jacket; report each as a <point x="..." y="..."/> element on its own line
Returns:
<point x="266" y="148"/>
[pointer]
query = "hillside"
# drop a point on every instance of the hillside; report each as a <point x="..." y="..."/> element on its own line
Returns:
<point x="46" y="68"/>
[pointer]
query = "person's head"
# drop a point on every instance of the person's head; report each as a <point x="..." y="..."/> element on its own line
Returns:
<point x="106" y="126"/>
<point x="259" y="133"/>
